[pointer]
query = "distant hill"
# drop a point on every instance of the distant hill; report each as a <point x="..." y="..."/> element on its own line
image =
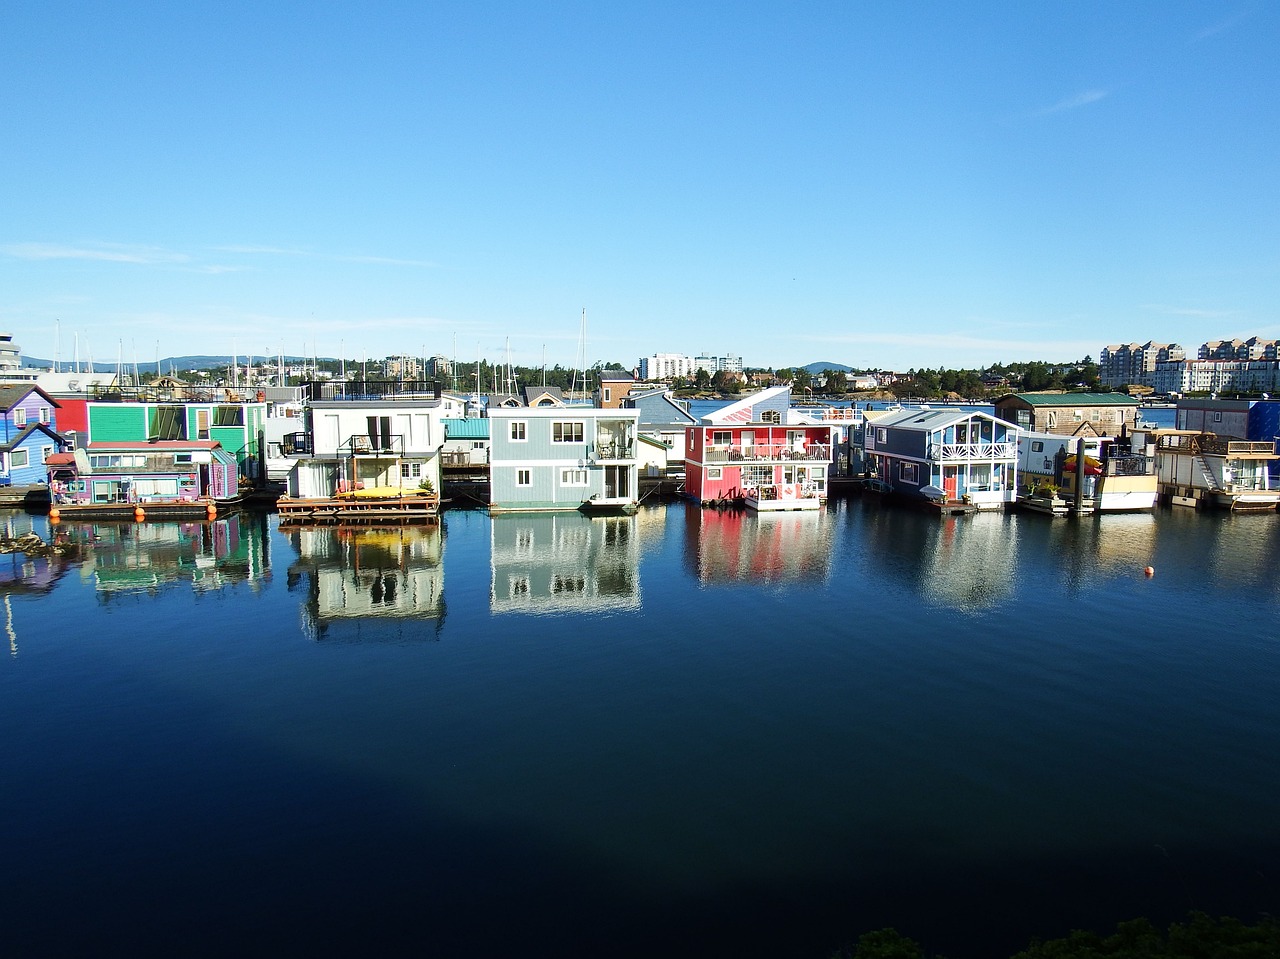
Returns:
<point x="166" y="364"/>
<point x="824" y="367"/>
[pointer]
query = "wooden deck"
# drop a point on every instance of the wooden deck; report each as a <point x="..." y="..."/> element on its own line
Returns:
<point x="347" y="509"/>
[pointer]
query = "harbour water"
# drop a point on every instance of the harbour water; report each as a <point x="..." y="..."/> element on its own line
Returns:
<point x="683" y="733"/>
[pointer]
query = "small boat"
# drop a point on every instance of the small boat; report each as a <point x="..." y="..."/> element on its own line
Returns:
<point x="598" y="505"/>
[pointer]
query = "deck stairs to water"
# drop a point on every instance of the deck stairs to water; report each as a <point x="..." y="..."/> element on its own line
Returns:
<point x="1206" y="474"/>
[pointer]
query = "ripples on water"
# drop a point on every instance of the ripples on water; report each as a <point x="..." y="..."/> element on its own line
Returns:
<point x="680" y="733"/>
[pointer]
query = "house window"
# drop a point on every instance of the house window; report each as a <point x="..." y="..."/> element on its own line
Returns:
<point x="228" y="416"/>
<point x="714" y="472"/>
<point x="882" y="434"/>
<point x="182" y="457"/>
<point x="771" y="416"/>
<point x="608" y="394"/>
<point x="1217" y="416"/>
<point x="1051" y="419"/>
<point x="19" y="417"/>
<point x="519" y="432"/>
<point x="566" y="432"/>
<point x="573" y="477"/>
<point x="45" y="453"/>
<point x="18" y="458"/>
<point x="721" y="438"/>
<point x="524" y="477"/>
<point x="1037" y="447"/>
<point x="44" y="415"/>
<point x="908" y="473"/>
<point x="410" y="470"/>
<point x="1095" y="416"/>
<point x="1079" y="415"/>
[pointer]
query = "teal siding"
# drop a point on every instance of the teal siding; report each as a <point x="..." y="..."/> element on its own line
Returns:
<point x="117" y="423"/>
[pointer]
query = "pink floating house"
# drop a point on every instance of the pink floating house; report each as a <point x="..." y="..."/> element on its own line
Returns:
<point x="761" y="452"/>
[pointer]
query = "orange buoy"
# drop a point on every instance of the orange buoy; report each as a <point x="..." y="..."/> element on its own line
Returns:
<point x="1150" y="570"/>
<point x="211" y="511"/>
<point x="53" y="519"/>
<point x="139" y="513"/>
<point x="54" y="513"/>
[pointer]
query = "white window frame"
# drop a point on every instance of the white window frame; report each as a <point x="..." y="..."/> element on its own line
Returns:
<point x="13" y="459"/>
<point x="519" y="431"/>
<point x="44" y="415"/>
<point x="909" y="473"/>
<point x="19" y="417"/>
<point x="573" y="477"/>
<point x="714" y="472"/>
<point x="524" y="477"/>
<point x="1050" y="419"/>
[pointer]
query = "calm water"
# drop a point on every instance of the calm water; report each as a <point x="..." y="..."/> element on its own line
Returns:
<point x="684" y="733"/>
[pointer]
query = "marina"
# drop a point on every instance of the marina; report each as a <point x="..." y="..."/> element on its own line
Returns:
<point x="725" y="732"/>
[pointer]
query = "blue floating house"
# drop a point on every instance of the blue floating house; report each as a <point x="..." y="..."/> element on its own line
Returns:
<point x="28" y="434"/>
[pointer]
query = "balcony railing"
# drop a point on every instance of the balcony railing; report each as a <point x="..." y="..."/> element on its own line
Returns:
<point x="337" y="391"/>
<point x="612" y="450"/>
<point x="361" y="444"/>
<point x="814" y="452"/>
<point x="973" y="451"/>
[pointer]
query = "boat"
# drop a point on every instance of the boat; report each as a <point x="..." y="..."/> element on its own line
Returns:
<point x="598" y="505"/>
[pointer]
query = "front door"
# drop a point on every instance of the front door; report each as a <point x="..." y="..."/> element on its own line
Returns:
<point x="616" y="485"/>
<point x="949" y="481"/>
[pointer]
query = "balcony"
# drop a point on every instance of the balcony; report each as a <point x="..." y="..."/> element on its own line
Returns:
<point x="766" y="453"/>
<point x="969" y="452"/>
<point x="362" y="444"/>
<point x="611" y="451"/>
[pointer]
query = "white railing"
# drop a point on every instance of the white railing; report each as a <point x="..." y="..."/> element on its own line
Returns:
<point x="820" y="452"/>
<point x="973" y="451"/>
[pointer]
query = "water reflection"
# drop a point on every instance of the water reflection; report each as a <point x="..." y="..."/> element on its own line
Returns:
<point x="355" y="578"/>
<point x="37" y="571"/>
<point x="739" y="546"/>
<point x="551" y="562"/>
<point x="143" y="558"/>
<point x="966" y="563"/>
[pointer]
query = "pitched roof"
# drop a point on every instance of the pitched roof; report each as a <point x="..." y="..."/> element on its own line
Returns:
<point x="1073" y="399"/>
<point x="30" y="428"/>
<point x="13" y="394"/>
<point x="930" y="418"/>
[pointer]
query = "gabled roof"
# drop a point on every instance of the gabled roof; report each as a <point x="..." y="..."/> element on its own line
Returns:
<point x="13" y="394"/>
<point x="616" y="376"/>
<point x="933" y="418"/>
<point x="21" y="438"/>
<point x="542" y="396"/>
<point x="1073" y="399"/>
<point x="734" y="412"/>
<point x="474" y="428"/>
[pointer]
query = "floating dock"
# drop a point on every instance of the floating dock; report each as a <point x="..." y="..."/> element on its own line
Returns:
<point x="348" y="509"/>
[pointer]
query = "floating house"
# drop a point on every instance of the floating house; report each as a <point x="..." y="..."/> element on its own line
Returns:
<point x="1072" y="414"/>
<point x="1213" y="472"/>
<point x="373" y="454"/>
<point x="234" y="423"/>
<point x="553" y="458"/>
<point x="375" y="436"/>
<point x="28" y="434"/>
<point x="1249" y="419"/>
<point x="946" y="456"/>
<point x="755" y="452"/>
<point x="165" y="476"/>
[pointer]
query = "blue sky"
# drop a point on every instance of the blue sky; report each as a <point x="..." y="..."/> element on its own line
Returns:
<point x="887" y="184"/>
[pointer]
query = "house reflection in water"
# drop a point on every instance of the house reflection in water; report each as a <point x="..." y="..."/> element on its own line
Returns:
<point x="370" y="585"/>
<point x="132" y="558"/>
<point x="552" y="562"/>
<point x="742" y="546"/>
<point x="31" y="572"/>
